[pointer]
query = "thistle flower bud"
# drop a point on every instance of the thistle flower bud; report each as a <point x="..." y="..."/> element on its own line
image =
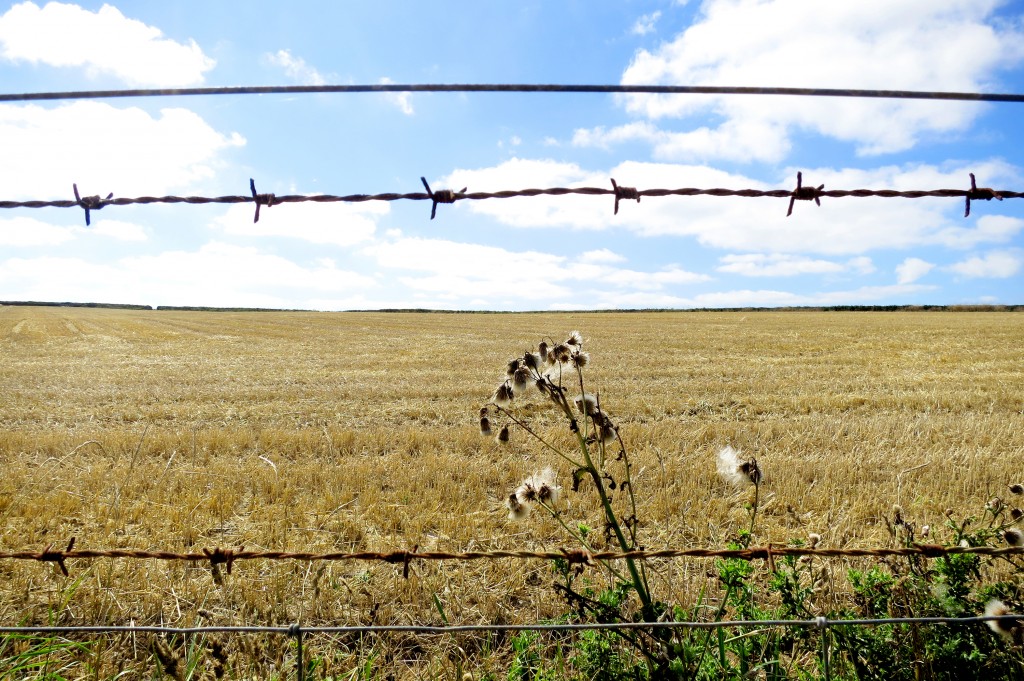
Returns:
<point x="502" y="435"/>
<point x="1016" y="514"/>
<point x="1017" y="488"/>
<point x="485" y="426"/>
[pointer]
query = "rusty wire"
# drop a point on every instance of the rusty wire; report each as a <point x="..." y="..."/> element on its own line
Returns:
<point x="227" y="556"/>
<point x="619" y="192"/>
<point x="517" y="87"/>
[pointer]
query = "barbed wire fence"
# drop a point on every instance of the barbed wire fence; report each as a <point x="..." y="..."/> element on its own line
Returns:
<point x="227" y="556"/>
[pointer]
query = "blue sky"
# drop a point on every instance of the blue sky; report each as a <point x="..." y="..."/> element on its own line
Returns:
<point x="515" y="254"/>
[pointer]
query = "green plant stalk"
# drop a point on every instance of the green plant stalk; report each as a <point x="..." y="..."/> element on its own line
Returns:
<point x="578" y="537"/>
<point x="638" y="583"/>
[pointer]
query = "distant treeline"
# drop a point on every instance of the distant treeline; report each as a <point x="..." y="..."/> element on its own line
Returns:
<point x="414" y="310"/>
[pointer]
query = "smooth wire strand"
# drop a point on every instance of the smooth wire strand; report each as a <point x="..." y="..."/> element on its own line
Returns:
<point x="521" y="87"/>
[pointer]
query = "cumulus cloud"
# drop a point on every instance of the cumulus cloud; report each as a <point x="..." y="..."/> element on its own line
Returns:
<point x="337" y="224"/>
<point x="912" y="269"/>
<point x="882" y="44"/>
<point x="104" y="149"/>
<point x="295" y="68"/>
<point x="850" y="226"/>
<point x="104" y="42"/>
<point x="992" y="265"/>
<point x="467" y="271"/>
<point x="787" y="265"/>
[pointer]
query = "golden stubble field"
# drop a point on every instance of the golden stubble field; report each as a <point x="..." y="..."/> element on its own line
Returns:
<point x="358" y="432"/>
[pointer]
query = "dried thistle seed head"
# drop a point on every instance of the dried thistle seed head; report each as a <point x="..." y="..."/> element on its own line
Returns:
<point x="575" y="339"/>
<point x="502" y="396"/>
<point x="752" y="471"/>
<point x="542" y="350"/>
<point x="925" y="531"/>
<point x="522" y="380"/>
<point x="559" y="354"/>
<point x="1017" y="488"/>
<point x="995" y="505"/>
<point x="1014" y="537"/>
<point x="502" y="437"/>
<point x="540" y="487"/>
<point x="734" y="470"/>
<point x="813" y="539"/>
<point x="526" y="493"/>
<point x="483" y="410"/>
<point x="580" y="359"/>
<point x="1016" y="514"/>
<point x="607" y="432"/>
<point x="516" y="509"/>
<point x="485" y="426"/>
<point x="1008" y="629"/>
<point x="513" y="364"/>
<point x="586" y="404"/>
<point x="533" y="361"/>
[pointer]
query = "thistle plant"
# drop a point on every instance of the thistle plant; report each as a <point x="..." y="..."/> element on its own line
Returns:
<point x="555" y="372"/>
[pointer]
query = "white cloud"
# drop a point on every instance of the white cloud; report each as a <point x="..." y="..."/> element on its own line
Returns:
<point x="338" y="224"/>
<point x="645" y="24"/>
<point x="469" y="271"/>
<point x="735" y="140"/>
<point x="600" y="255"/>
<point x="403" y="100"/>
<point x="103" y="42"/>
<point x="990" y="229"/>
<point x="912" y="269"/>
<point x="106" y="149"/>
<point x="29" y="232"/>
<point x="216" y="274"/>
<point x="879" y="44"/>
<point x="22" y="231"/>
<point x="786" y="265"/>
<point x="844" y="226"/>
<point x="295" y="68"/>
<point x="992" y="265"/>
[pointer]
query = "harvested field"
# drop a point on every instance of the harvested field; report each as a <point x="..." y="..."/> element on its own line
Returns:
<point x="171" y="430"/>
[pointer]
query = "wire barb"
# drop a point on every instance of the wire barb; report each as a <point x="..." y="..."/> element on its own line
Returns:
<point x="624" y="193"/>
<point x="802" y="193"/>
<point x="441" y="196"/>
<point x="979" y="194"/>
<point x="48" y="556"/>
<point x="260" y="200"/>
<point x="220" y="556"/>
<point x="89" y="203"/>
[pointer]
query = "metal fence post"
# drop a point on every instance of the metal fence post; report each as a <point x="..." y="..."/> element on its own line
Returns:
<point x="296" y="631"/>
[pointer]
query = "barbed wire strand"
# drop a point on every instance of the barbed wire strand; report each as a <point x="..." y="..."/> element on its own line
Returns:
<point x="818" y="622"/>
<point x="227" y="557"/>
<point x="619" y="192"/>
<point x="515" y="87"/>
